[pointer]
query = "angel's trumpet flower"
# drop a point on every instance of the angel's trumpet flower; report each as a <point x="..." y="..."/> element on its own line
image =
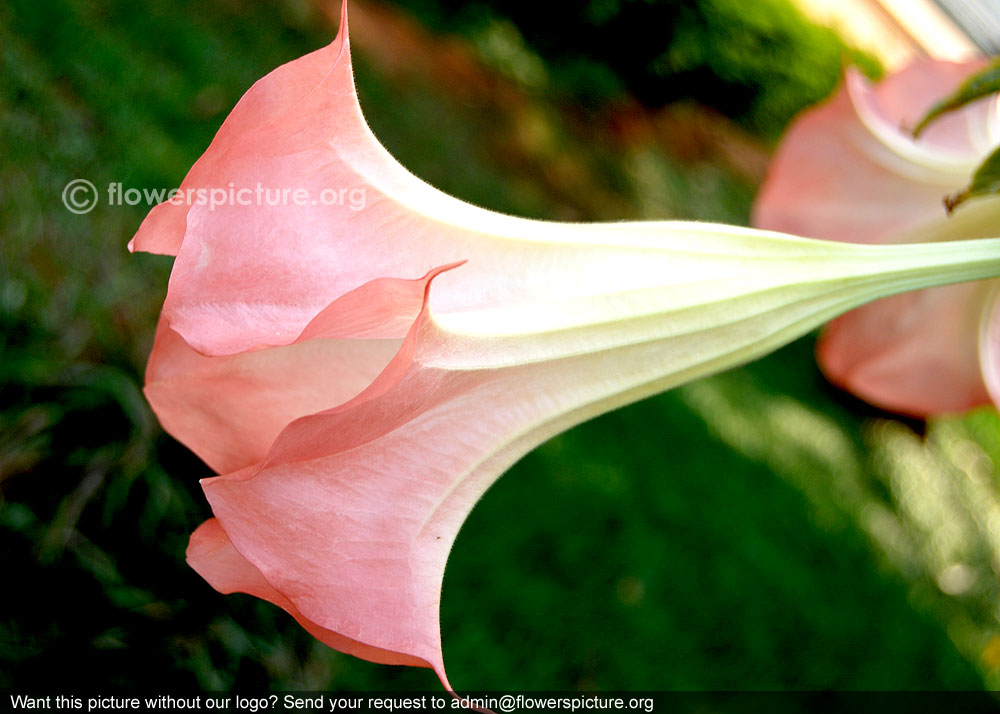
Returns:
<point x="360" y="374"/>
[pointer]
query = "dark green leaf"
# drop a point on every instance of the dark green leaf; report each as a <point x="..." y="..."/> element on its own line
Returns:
<point x="985" y="181"/>
<point x="979" y="85"/>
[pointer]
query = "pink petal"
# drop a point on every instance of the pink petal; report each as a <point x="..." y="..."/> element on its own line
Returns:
<point x="256" y="394"/>
<point x="267" y="102"/>
<point x="914" y="353"/>
<point x="213" y="556"/>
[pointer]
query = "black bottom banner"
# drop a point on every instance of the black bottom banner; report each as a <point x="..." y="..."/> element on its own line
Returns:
<point x="507" y="702"/>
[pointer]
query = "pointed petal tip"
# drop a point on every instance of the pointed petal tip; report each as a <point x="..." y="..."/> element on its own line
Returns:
<point x="342" y="41"/>
<point x="439" y="671"/>
<point x="342" y="31"/>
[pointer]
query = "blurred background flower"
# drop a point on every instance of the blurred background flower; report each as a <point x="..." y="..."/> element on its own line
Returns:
<point x="756" y="530"/>
<point x="851" y="171"/>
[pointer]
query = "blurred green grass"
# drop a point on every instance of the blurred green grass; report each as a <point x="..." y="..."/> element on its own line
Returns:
<point x="757" y="530"/>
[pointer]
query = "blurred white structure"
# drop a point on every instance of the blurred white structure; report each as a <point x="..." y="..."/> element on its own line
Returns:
<point x="898" y="31"/>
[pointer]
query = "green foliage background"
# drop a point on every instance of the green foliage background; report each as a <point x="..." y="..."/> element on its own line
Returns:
<point x="758" y="530"/>
<point x="759" y="62"/>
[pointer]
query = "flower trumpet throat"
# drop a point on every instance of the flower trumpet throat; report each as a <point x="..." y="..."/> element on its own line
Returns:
<point x="359" y="378"/>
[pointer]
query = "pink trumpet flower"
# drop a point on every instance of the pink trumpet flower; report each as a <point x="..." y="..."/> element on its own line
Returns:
<point x="359" y="373"/>
<point x="851" y="171"/>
